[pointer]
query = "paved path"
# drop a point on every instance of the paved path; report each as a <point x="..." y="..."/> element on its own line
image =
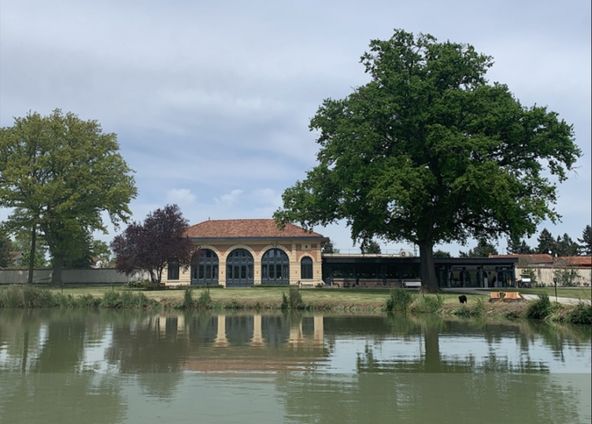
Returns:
<point x="562" y="300"/>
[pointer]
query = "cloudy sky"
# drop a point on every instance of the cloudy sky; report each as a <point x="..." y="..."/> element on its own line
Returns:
<point x="211" y="100"/>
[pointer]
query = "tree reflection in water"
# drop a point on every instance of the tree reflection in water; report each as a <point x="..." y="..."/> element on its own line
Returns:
<point x="77" y="364"/>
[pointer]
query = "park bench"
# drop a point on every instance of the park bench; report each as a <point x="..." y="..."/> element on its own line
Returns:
<point x="512" y="296"/>
<point x="495" y="296"/>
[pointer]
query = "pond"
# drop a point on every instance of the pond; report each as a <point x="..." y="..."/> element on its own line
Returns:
<point x="111" y="367"/>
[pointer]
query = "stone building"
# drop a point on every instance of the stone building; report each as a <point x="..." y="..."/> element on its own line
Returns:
<point x="545" y="269"/>
<point x="248" y="252"/>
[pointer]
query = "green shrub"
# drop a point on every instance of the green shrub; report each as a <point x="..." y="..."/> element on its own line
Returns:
<point x="467" y="311"/>
<point x="26" y="297"/>
<point x="581" y="314"/>
<point x="111" y="299"/>
<point x="539" y="309"/>
<point x="88" y="301"/>
<point x="205" y="300"/>
<point x="65" y="301"/>
<point x="12" y="297"/>
<point x="188" y="298"/>
<point x="429" y="304"/>
<point x="399" y="300"/>
<point x="285" y="303"/>
<point x="293" y="301"/>
<point x="139" y="284"/>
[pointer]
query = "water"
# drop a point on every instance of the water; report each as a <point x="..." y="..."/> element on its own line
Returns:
<point x="104" y="367"/>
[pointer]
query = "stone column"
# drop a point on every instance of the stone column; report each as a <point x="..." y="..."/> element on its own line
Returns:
<point x="296" y="338"/>
<point x="162" y="325"/>
<point x="180" y="324"/>
<point x="221" y="339"/>
<point x="257" y="339"/>
<point x="222" y="271"/>
<point x="319" y="331"/>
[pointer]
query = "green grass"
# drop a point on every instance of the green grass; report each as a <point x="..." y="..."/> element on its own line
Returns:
<point x="266" y="297"/>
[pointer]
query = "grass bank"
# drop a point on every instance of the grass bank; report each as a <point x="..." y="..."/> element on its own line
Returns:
<point x="274" y="298"/>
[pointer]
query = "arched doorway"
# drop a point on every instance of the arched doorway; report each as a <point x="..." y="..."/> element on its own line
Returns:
<point x="275" y="268"/>
<point x="239" y="268"/>
<point x="204" y="268"/>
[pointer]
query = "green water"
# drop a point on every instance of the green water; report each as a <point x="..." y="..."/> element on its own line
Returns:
<point x="83" y="367"/>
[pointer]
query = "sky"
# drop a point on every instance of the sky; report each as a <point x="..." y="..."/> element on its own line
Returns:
<point x="211" y="101"/>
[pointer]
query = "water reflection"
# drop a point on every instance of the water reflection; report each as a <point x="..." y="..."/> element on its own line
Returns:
<point x="313" y="367"/>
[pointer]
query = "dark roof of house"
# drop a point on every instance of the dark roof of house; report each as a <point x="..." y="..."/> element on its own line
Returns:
<point x="247" y="228"/>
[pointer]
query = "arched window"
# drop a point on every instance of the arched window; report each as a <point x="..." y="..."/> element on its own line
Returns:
<point x="275" y="268"/>
<point x="239" y="268"/>
<point x="306" y="268"/>
<point x="204" y="268"/>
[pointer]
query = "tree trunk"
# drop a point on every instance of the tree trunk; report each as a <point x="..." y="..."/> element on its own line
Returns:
<point x="32" y="253"/>
<point x="427" y="267"/>
<point x="56" y="274"/>
<point x="433" y="361"/>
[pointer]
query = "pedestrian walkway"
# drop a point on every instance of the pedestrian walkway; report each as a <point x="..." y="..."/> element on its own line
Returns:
<point x="561" y="300"/>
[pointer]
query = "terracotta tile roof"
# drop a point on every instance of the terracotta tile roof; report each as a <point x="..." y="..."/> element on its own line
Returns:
<point x="247" y="228"/>
<point x="576" y="260"/>
<point x="546" y="259"/>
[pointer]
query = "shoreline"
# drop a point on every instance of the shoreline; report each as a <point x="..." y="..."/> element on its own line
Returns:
<point x="443" y="304"/>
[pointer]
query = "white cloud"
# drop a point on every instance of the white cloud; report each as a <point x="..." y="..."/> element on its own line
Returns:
<point x="180" y="196"/>
<point x="230" y="199"/>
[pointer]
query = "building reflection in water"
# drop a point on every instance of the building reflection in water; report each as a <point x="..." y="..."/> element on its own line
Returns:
<point x="237" y="341"/>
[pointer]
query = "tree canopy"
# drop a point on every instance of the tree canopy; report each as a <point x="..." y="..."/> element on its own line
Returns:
<point x="586" y="241"/>
<point x="483" y="250"/>
<point x="429" y="151"/>
<point x="370" y="247"/>
<point x="59" y="174"/>
<point x="152" y="245"/>
<point x="518" y="246"/>
<point x="5" y="249"/>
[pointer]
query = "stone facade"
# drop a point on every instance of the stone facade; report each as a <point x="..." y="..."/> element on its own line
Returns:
<point x="544" y="275"/>
<point x="258" y="238"/>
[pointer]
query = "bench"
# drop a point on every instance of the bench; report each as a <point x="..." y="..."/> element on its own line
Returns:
<point x="495" y="296"/>
<point x="512" y="296"/>
<point x="412" y="284"/>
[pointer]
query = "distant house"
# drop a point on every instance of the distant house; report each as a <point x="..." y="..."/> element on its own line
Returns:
<point x="546" y="268"/>
<point x="250" y="252"/>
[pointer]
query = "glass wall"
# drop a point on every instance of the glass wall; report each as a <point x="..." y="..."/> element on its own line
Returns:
<point x="275" y="268"/>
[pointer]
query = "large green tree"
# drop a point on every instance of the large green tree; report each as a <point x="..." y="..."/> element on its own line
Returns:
<point x="546" y="243"/>
<point x="22" y="245"/>
<point x="6" y="248"/>
<point x="429" y="151"/>
<point x="566" y="246"/>
<point x="483" y="249"/>
<point x="59" y="174"/>
<point x="518" y="246"/>
<point x="586" y="241"/>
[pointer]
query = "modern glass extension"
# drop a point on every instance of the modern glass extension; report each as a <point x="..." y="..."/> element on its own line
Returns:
<point x="359" y="271"/>
<point x="275" y="268"/>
